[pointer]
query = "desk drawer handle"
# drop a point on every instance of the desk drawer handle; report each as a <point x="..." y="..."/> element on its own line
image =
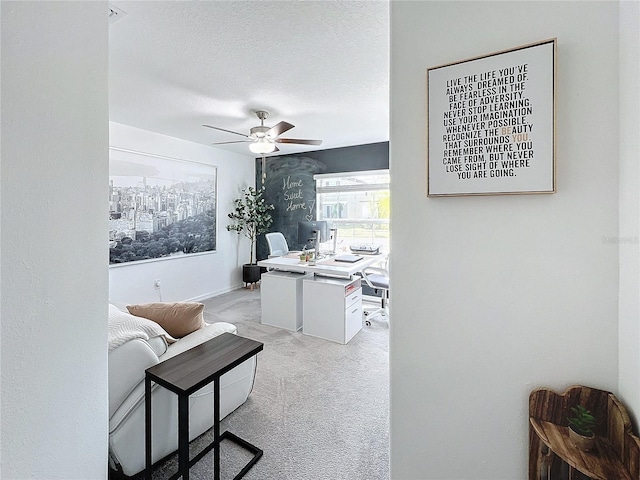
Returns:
<point x="355" y="310"/>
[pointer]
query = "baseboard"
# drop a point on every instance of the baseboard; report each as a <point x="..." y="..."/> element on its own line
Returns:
<point x="208" y="295"/>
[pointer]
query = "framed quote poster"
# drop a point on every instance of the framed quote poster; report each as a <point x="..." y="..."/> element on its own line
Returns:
<point x="490" y="123"/>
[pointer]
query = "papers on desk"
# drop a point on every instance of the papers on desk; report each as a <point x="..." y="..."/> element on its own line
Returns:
<point x="347" y="258"/>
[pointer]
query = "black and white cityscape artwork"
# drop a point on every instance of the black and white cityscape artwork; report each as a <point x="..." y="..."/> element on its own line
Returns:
<point x="159" y="207"/>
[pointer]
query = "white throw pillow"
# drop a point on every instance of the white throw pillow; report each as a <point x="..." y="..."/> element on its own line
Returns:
<point x="124" y="327"/>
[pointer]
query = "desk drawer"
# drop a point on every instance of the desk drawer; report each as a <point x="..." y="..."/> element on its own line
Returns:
<point x="352" y="298"/>
<point x="353" y="320"/>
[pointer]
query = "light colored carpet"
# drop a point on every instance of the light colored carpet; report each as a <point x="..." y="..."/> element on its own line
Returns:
<point x="319" y="410"/>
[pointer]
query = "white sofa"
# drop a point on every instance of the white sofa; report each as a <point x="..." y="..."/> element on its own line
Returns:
<point x="127" y="364"/>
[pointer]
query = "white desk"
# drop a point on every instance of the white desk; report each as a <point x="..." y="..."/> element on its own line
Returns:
<point x="325" y="266"/>
<point x="331" y="299"/>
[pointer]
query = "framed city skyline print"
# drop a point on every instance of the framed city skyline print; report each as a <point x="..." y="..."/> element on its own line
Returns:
<point x="491" y="123"/>
<point x="159" y="207"/>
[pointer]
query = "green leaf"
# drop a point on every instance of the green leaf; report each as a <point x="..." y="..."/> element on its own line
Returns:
<point x="251" y="215"/>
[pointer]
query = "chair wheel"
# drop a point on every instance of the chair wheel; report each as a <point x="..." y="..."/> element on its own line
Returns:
<point x="366" y="314"/>
<point x="367" y="323"/>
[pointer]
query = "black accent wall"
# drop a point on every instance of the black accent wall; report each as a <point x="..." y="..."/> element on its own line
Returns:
<point x="289" y="183"/>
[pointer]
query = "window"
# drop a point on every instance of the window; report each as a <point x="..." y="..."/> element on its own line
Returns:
<point x="357" y="205"/>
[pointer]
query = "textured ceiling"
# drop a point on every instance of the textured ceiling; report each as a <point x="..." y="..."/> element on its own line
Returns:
<point x="322" y="66"/>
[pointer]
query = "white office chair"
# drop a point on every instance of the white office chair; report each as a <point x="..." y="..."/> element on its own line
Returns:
<point x="378" y="279"/>
<point x="278" y="246"/>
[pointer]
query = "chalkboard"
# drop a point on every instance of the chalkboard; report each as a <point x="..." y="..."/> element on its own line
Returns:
<point x="290" y="187"/>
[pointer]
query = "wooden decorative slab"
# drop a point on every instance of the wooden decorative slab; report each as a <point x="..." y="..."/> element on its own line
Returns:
<point x="617" y="452"/>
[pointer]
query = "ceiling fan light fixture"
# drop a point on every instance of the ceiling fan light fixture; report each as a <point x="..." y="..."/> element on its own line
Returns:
<point x="262" y="146"/>
<point x="263" y="138"/>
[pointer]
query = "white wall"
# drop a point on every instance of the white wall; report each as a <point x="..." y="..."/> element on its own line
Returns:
<point x="629" y="236"/>
<point x="194" y="277"/>
<point x="54" y="275"/>
<point x="506" y="293"/>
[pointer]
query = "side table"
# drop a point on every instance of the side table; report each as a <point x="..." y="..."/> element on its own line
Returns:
<point x="185" y="374"/>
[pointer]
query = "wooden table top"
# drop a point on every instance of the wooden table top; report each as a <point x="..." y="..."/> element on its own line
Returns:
<point x="191" y="370"/>
<point x="600" y="464"/>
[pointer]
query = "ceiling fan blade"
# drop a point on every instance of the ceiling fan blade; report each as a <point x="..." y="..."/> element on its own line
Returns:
<point x="224" y="130"/>
<point x="278" y="129"/>
<point x="298" y="140"/>
<point x="235" y="141"/>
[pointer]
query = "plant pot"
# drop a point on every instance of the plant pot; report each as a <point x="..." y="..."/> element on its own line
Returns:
<point x="581" y="442"/>
<point x="250" y="273"/>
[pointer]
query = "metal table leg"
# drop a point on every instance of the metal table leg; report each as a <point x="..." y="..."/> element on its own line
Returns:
<point x="183" y="436"/>
<point x="147" y="427"/>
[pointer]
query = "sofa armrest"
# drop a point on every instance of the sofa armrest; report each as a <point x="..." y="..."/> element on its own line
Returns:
<point x="209" y="331"/>
<point x="127" y="365"/>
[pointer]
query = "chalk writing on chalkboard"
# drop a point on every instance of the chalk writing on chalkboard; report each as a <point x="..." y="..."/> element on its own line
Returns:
<point x="295" y="199"/>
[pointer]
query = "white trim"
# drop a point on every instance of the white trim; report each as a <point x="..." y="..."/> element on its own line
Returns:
<point x="320" y="176"/>
<point x="365" y="187"/>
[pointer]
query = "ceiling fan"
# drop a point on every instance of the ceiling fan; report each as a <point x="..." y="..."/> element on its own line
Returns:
<point x="263" y="139"/>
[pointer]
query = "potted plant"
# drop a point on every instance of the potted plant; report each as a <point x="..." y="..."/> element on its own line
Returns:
<point x="581" y="426"/>
<point x="250" y="217"/>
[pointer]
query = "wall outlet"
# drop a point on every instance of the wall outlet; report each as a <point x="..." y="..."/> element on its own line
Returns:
<point x="156" y="284"/>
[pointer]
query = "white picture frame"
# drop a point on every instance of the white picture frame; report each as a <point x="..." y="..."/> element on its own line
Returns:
<point x="491" y="123"/>
<point x="159" y="207"/>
